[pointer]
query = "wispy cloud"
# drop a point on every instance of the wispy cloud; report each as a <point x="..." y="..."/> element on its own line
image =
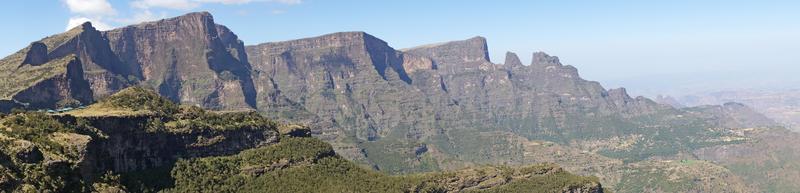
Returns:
<point x="168" y="4"/>
<point x="90" y="7"/>
<point x="191" y="4"/>
<point x="96" y="23"/>
<point x="89" y="11"/>
<point x="102" y="14"/>
<point x="288" y="2"/>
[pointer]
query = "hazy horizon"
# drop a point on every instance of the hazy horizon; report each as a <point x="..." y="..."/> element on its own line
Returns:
<point x="675" y="47"/>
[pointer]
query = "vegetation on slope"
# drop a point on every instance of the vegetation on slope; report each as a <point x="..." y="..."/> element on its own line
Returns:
<point x="129" y="102"/>
<point x="48" y="153"/>
<point x="309" y="165"/>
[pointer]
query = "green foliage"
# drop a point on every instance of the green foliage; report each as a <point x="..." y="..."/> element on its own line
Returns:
<point x="221" y="174"/>
<point x="37" y="127"/>
<point x="140" y="99"/>
<point x="196" y="119"/>
<point x="60" y="171"/>
<point x="68" y="102"/>
<point x="547" y="183"/>
<point x="398" y="157"/>
<point x="309" y="165"/>
<point x="17" y="79"/>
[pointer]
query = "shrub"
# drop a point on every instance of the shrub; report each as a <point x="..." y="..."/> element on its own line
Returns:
<point x="139" y="98"/>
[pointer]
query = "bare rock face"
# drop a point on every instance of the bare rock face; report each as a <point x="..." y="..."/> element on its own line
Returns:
<point x="512" y="60"/>
<point x="130" y="147"/>
<point x="327" y="79"/>
<point x="190" y="59"/>
<point x="353" y="86"/>
<point x="101" y="68"/>
<point x="455" y="52"/>
<point x="413" y="63"/>
<point x="59" y="90"/>
<point x="37" y="54"/>
<point x="541" y="59"/>
<point x="367" y="99"/>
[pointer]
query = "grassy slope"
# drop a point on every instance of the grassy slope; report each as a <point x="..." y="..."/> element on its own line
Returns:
<point x="16" y="78"/>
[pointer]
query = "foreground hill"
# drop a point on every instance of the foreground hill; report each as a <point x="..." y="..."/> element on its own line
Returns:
<point x="435" y="107"/>
<point x="137" y="141"/>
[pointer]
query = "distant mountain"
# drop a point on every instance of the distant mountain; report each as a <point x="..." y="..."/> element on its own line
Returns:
<point x="668" y="100"/>
<point x="443" y="106"/>
<point x="782" y="105"/>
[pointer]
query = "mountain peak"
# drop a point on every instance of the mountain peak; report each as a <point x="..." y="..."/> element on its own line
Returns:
<point x="337" y="39"/>
<point x="542" y="59"/>
<point x="200" y="14"/>
<point x="470" y="50"/>
<point x="512" y="60"/>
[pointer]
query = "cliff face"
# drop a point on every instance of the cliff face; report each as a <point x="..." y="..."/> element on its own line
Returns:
<point x="189" y="59"/>
<point x="129" y="146"/>
<point x="59" y="90"/>
<point x="447" y="106"/>
<point x="332" y="81"/>
<point x="77" y="151"/>
<point x="353" y="86"/>
<point x="433" y="107"/>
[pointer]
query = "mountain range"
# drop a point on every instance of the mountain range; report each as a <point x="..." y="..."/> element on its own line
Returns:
<point x="443" y="106"/>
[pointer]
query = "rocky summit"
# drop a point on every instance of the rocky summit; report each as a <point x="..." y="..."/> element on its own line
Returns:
<point x="438" y="107"/>
<point x="188" y="59"/>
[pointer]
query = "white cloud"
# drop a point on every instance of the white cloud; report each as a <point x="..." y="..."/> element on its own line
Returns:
<point x="228" y="2"/>
<point x="140" y="16"/>
<point x="169" y="4"/>
<point x="191" y="4"/>
<point x="101" y="12"/>
<point x="76" y="21"/>
<point x="90" y="7"/>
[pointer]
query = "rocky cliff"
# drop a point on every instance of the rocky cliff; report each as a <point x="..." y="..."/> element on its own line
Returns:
<point x="189" y="59"/>
<point x="78" y="148"/>
<point x="456" y="109"/>
<point x="441" y="106"/>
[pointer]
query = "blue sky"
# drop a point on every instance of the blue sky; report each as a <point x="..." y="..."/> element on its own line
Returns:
<point x="648" y="46"/>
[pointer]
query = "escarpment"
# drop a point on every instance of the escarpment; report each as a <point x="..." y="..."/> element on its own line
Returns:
<point x="444" y="106"/>
<point x="188" y="59"/>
